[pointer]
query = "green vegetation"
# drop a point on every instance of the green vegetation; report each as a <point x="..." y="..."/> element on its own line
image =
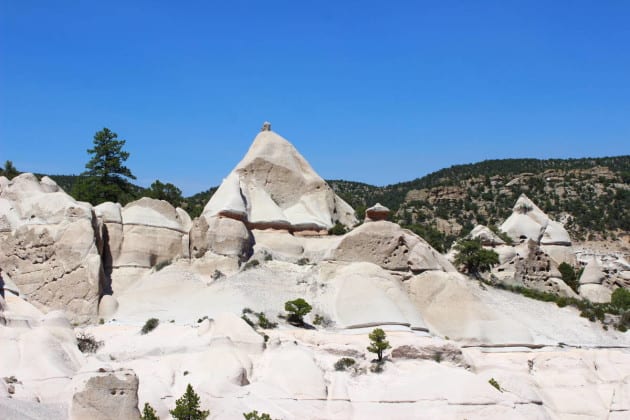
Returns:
<point x="253" y="415"/>
<point x="592" y="311"/>
<point x="150" y="325"/>
<point x="148" y="413"/>
<point x="9" y="170"/>
<point x="570" y="276"/>
<point x="495" y="384"/>
<point x="162" y="264"/>
<point x="478" y="194"/>
<point x="297" y="309"/>
<point x="87" y="343"/>
<point x="187" y="407"/>
<point x="167" y="192"/>
<point x="620" y="299"/>
<point x="344" y="363"/>
<point x="474" y="257"/>
<point x="251" y="264"/>
<point x="261" y="319"/>
<point x="378" y="343"/>
<point x="337" y="229"/>
<point x="106" y="175"/>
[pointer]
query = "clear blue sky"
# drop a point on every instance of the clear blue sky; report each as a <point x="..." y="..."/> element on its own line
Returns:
<point x="370" y="91"/>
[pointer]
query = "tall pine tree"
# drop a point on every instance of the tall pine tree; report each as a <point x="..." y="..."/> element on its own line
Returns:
<point x="106" y="178"/>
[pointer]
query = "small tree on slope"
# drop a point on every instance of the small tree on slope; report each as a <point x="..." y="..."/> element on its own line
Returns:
<point x="474" y="257"/>
<point x="378" y="343"/>
<point x="187" y="407"/>
<point x="148" y="413"/>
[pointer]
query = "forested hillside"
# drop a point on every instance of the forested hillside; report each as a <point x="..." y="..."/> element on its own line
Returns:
<point x="592" y="196"/>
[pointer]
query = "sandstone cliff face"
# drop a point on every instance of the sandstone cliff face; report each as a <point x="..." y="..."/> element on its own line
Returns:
<point x="275" y="187"/>
<point x="48" y="245"/>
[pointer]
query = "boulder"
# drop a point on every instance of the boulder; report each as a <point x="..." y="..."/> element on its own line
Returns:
<point x="48" y="246"/>
<point x="107" y="396"/>
<point x="153" y="232"/>
<point x="220" y="235"/>
<point x="486" y="236"/>
<point x="275" y="187"/>
<point x="596" y="293"/>
<point x="391" y="247"/>
<point x="376" y="212"/>
<point x="356" y="286"/>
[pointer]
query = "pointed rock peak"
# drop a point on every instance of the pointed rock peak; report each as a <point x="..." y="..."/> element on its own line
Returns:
<point x="527" y="221"/>
<point x="524" y="205"/>
<point x="593" y="273"/>
<point x="273" y="186"/>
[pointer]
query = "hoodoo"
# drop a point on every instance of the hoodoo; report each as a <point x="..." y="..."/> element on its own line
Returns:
<point x="275" y="187"/>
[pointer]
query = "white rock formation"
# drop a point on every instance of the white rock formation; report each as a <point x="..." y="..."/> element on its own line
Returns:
<point x="275" y="187"/>
<point x="48" y="246"/>
<point x="592" y="273"/>
<point x="486" y="236"/>
<point x="527" y="221"/>
<point x="107" y="396"/>
<point x="393" y="248"/>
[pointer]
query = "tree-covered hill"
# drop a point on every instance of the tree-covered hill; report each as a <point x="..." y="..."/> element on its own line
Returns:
<point x="591" y="195"/>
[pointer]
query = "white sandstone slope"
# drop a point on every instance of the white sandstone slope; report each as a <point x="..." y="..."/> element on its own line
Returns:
<point x="49" y="246"/>
<point x="275" y="187"/>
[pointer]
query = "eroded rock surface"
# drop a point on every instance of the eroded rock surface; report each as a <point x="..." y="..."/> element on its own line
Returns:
<point x="48" y="246"/>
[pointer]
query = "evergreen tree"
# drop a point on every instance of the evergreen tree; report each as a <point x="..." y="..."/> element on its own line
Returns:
<point x="9" y="170"/>
<point x="168" y="192"/>
<point x="105" y="178"/>
<point x="378" y="343"/>
<point x="148" y="413"/>
<point x="474" y="257"/>
<point x="297" y="309"/>
<point x="187" y="407"/>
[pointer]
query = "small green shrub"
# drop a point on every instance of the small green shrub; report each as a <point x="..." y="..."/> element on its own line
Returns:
<point x="162" y="264"/>
<point x="101" y="321"/>
<point x="377" y="367"/>
<point x="268" y="257"/>
<point x="253" y="415"/>
<point x="264" y="323"/>
<point x="87" y="343"/>
<point x="303" y="261"/>
<point x="344" y="363"/>
<point x="337" y="229"/>
<point x="150" y="325"/>
<point x="249" y="321"/>
<point x="437" y="356"/>
<point x="251" y="264"/>
<point x="495" y="384"/>
<point x="297" y="309"/>
<point x="322" y="320"/>
<point x="620" y="299"/>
